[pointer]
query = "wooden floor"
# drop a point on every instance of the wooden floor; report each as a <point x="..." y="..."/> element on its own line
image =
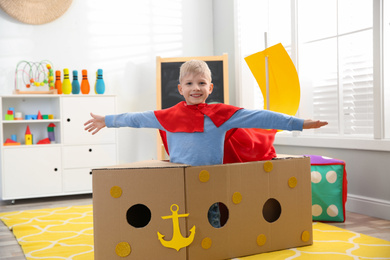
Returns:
<point x="10" y="250"/>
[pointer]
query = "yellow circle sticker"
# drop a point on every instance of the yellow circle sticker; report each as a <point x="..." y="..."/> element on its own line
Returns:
<point x="261" y="239"/>
<point x="204" y="176"/>
<point x="237" y="197"/>
<point x="206" y="243"/>
<point x="292" y="182"/>
<point x="268" y="166"/>
<point x="305" y="236"/>
<point x="116" y="192"/>
<point x="123" y="249"/>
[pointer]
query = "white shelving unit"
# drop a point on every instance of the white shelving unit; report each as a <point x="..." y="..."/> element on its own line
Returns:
<point x="60" y="168"/>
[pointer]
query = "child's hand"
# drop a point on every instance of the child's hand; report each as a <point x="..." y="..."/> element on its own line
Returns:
<point x="95" y="124"/>
<point x="309" y="124"/>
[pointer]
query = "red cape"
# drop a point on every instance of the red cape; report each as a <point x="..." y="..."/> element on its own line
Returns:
<point x="241" y="145"/>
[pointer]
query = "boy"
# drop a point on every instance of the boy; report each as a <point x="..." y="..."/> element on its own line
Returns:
<point x="195" y="131"/>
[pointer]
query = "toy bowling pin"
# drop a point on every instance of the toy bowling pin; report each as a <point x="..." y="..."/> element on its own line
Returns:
<point x="100" y="86"/>
<point x="75" y="83"/>
<point x="85" y="83"/>
<point x="66" y="85"/>
<point x="58" y="83"/>
<point x="50" y="132"/>
<point x="28" y="136"/>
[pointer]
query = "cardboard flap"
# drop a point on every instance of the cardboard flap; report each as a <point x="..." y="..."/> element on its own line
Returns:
<point x="149" y="164"/>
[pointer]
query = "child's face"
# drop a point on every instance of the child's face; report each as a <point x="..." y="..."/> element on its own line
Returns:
<point x="195" y="88"/>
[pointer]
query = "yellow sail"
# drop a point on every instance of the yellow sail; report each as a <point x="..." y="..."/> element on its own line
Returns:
<point x="284" y="90"/>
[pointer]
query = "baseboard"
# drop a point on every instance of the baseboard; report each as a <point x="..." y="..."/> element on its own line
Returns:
<point x="368" y="206"/>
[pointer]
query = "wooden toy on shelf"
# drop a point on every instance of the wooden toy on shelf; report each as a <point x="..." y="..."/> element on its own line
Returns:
<point x="50" y="132"/>
<point x="44" y="141"/>
<point x="34" y="78"/>
<point x="9" y="115"/>
<point x="75" y="83"/>
<point x="28" y="138"/>
<point x="99" y="85"/>
<point x="39" y="116"/>
<point x="10" y="142"/>
<point x="18" y="116"/>
<point x="85" y="83"/>
<point x="66" y="85"/>
<point x="58" y="83"/>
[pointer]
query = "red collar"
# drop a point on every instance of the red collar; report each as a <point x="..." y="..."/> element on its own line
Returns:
<point x="190" y="118"/>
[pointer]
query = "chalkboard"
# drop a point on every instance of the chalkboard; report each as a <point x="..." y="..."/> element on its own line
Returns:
<point x="168" y="70"/>
<point x="167" y="78"/>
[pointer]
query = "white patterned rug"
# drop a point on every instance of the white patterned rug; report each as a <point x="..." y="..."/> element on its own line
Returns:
<point x="67" y="233"/>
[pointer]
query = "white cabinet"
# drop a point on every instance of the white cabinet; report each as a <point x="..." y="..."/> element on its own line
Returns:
<point x="32" y="172"/>
<point x="62" y="167"/>
<point x="76" y="111"/>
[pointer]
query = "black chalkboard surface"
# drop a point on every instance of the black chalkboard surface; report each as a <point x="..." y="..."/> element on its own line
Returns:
<point x="167" y="79"/>
<point x="168" y="70"/>
<point x="170" y="95"/>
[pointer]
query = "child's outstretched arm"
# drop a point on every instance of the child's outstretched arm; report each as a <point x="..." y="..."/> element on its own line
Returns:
<point x="95" y="124"/>
<point x="309" y="124"/>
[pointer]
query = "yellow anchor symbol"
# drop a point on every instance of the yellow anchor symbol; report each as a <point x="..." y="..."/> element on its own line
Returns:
<point x="178" y="241"/>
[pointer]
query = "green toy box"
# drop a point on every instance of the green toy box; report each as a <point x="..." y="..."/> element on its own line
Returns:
<point x="329" y="188"/>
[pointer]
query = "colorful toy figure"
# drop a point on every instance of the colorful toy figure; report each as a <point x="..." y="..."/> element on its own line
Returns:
<point x="39" y="116"/>
<point x="99" y="85"/>
<point x="58" y="83"/>
<point x="18" y="116"/>
<point x="28" y="138"/>
<point x="66" y="84"/>
<point x="34" y="74"/>
<point x="85" y="83"/>
<point x="75" y="83"/>
<point x="9" y="115"/>
<point x="44" y="141"/>
<point x="50" y="132"/>
<point x="10" y="142"/>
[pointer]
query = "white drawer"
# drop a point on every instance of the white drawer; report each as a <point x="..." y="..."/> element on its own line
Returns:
<point x="89" y="156"/>
<point x="77" y="180"/>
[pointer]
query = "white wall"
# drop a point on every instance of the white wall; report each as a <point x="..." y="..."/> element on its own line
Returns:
<point x="224" y="39"/>
<point x="123" y="37"/>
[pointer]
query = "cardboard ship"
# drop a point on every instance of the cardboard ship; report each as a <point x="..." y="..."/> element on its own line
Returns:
<point x="158" y="210"/>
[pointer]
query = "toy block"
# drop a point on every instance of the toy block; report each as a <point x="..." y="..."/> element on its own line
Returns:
<point x="18" y="116"/>
<point x="28" y="139"/>
<point x="9" y="115"/>
<point x="44" y="141"/>
<point x="39" y="116"/>
<point x="50" y="132"/>
<point x="158" y="210"/>
<point x="10" y="142"/>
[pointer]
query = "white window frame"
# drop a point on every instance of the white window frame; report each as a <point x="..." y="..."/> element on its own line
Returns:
<point x="381" y="139"/>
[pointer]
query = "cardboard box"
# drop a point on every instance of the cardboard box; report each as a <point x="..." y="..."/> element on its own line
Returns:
<point x="268" y="207"/>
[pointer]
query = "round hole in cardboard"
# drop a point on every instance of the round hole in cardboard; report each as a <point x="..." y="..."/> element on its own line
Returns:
<point x="138" y="216"/>
<point x="272" y="210"/>
<point x="218" y="214"/>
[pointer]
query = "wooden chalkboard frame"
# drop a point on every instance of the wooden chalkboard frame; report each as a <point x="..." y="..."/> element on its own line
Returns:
<point x="223" y="93"/>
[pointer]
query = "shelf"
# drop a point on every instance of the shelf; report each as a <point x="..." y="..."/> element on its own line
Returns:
<point x="23" y="167"/>
<point x="30" y="146"/>
<point x="31" y="121"/>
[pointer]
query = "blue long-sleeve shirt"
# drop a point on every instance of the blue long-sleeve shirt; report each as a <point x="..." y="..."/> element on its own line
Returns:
<point x="207" y="147"/>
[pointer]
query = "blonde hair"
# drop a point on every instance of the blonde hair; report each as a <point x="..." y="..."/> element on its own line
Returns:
<point x="196" y="67"/>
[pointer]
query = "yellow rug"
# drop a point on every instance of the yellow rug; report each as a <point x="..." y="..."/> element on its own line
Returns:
<point x="67" y="233"/>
